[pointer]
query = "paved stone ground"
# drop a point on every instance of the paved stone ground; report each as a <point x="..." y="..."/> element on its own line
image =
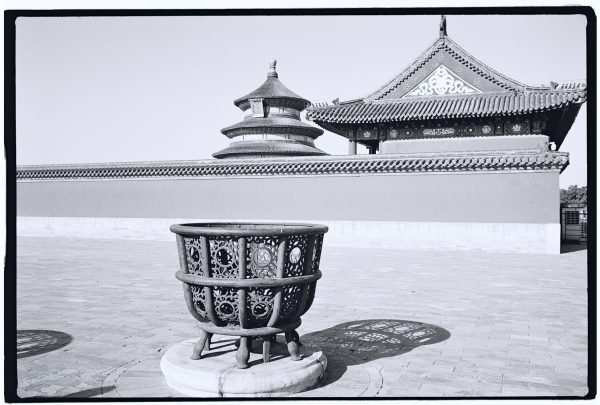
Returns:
<point x="392" y="323"/>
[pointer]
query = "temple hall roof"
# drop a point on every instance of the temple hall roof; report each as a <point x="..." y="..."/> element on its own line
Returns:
<point x="446" y="81"/>
<point x="484" y="105"/>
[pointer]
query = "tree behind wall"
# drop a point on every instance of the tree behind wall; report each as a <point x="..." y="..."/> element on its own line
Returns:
<point x="574" y="195"/>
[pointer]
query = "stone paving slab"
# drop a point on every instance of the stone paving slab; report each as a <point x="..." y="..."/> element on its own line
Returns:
<point x="392" y="323"/>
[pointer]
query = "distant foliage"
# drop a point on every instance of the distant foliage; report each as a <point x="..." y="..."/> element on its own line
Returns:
<point x="574" y="195"/>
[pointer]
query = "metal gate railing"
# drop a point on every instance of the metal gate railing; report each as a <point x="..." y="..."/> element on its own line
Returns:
<point x="573" y="225"/>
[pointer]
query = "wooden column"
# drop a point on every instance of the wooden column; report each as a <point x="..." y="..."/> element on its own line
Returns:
<point x="351" y="147"/>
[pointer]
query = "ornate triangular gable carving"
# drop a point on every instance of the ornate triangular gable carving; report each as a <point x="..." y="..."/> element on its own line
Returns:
<point x="442" y="81"/>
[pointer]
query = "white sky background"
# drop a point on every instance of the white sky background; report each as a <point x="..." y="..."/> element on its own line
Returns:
<point x="107" y="89"/>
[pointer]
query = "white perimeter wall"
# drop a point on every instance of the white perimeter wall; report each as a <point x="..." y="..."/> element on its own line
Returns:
<point x="505" y="237"/>
<point x="514" y="211"/>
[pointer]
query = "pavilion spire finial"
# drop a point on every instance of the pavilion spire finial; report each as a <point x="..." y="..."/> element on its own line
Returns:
<point x="272" y="66"/>
<point x="443" y="32"/>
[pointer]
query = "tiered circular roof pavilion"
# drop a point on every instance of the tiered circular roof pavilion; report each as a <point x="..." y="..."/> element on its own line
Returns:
<point x="272" y="125"/>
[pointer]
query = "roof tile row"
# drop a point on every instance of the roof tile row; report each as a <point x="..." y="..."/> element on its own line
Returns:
<point x="465" y="161"/>
<point x="509" y="103"/>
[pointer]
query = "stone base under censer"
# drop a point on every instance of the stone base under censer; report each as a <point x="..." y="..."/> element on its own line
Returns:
<point x="216" y="374"/>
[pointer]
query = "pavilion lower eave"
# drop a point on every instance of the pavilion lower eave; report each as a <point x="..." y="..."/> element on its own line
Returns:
<point x="272" y="148"/>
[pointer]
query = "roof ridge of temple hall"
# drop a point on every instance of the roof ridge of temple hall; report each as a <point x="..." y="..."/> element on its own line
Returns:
<point x="445" y="44"/>
<point x="447" y="86"/>
<point x="434" y="86"/>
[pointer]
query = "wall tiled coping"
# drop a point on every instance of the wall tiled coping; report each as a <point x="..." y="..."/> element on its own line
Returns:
<point x="327" y="165"/>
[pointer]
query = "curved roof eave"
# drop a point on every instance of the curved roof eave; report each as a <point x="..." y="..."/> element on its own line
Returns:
<point x="271" y="88"/>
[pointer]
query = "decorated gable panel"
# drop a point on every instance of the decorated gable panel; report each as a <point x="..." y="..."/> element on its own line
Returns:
<point x="442" y="74"/>
<point x="440" y="82"/>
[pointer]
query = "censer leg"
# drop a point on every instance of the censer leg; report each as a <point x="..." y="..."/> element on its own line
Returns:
<point x="208" y="339"/>
<point x="292" y="346"/>
<point x="268" y="341"/>
<point x="199" y="346"/>
<point x="266" y="349"/>
<point x="243" y="353"/>
<point x="296" y="337"/>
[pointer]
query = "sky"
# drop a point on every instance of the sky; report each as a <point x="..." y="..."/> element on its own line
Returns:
<point x="110" y="89"/>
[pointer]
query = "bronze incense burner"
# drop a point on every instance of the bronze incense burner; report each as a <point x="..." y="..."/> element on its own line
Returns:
<point x="249" y="280"/>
